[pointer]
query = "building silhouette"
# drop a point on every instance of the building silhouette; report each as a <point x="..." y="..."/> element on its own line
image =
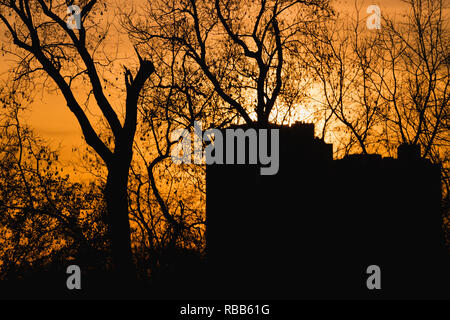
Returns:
<point x="312" y="230"/>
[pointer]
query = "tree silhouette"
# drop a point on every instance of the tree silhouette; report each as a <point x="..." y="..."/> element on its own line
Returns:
<point x="221" y="62"/>
<point x="46" y="220"/>
<point x="342" y="63"/>
<point x="48" y="47"/>
<point x="384" y="88"/>
<point x="243" y="49"/>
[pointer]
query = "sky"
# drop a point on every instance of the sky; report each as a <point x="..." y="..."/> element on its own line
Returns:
<point x="52" y="120"/>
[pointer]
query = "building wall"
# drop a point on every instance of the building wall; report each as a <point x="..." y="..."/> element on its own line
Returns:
<point x="312" y="230"/>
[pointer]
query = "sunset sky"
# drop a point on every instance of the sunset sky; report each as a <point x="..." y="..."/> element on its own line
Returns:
<point x="329" y="141"/>
<point x="52" y="120"/>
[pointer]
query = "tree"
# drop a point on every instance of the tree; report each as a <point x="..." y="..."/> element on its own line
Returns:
<point x="243" y="49"/>
<point x="414" y="82"/>
<point x="45" y="218"/>
<point x="386" y="87"/>
<point x="342" y="54"/>
<point x="47" y="47"/>
<point x="168" y="199"/>
<point x="414" y="78"/>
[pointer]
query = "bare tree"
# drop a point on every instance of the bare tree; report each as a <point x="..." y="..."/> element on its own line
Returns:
<point x="386" y="87"/>
<point x="44" y="217"/>
<point x="341" y="52"/>
<point x="415" y="84"/>
<point x="243" y="49"/>
<point x="169" y="198"/>
<point x="383" y="88"/>
<point x="47" y="47"/>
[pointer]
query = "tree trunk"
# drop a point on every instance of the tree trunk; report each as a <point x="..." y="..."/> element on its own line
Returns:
<point x="116" y="197"/>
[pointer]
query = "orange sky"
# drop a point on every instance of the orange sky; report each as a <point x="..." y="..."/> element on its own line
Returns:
<point x="52" y="120"/>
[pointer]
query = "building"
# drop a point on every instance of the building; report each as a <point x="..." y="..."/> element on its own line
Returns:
<point x="312" y="230"/>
